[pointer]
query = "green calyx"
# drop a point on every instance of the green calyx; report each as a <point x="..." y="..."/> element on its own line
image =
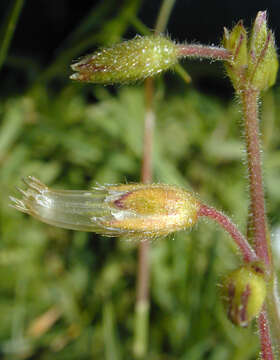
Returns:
<point x="254" y="63"/>
<point x="128" y="61"/>
<point x="244" y="292"/>
<point x="236" y="42"/>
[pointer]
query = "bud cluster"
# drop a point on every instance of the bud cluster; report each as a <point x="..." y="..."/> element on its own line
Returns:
<point x="254" y="62"/>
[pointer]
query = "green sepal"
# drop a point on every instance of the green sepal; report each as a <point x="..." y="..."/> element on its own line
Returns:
<point x="236" y="42"/>
<point x="254" y="63"/>
<point x="262" y="71"/>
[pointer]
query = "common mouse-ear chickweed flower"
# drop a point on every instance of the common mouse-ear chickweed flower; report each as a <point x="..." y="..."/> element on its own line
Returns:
<point x="127" y="61"/>
<point x="133" y="210"/>
<point x="254" y="63"/>
<point x="244" y="292"/>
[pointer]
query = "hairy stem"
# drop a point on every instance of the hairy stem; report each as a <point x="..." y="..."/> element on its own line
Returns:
<point x="201" y="51"/>
<point x="257" y="216"/>
<point x="273" y="312"/>
<point x="266" y="345"/>
<point x="245" y="248"/>
<point x="257" y="225"/>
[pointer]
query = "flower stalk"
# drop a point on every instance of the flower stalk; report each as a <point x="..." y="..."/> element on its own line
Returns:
<point x="244" y="247"/>
<point x="257" y="216"/>
<point x="265" y="339"/>
<point x="204" y="52"/>
<point x="253" y="69"/>
<point x="257" y="224"/>
<point x="142" y="305"/>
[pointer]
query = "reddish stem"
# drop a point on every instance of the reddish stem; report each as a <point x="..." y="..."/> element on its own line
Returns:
<point x="208" y="52"/>
<point x="146" y="177"/>
<point x="245" y="248"/>
<point x="146" y="173"/>
<point x="257" y="226"/>
<point x="266" y="345"/>
<point x="257" y="219"/>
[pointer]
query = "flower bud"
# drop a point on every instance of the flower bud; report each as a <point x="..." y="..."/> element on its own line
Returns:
<point x="244" y="292"/>
<point x="263" y="62"/>
<point x="254" y="63"/>
<point x="236" y="42"/>
<point x="128" y="61"/>
<point x="134" y="210"/>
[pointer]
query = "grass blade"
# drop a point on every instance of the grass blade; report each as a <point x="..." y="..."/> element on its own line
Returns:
<point x="8" y="29"/>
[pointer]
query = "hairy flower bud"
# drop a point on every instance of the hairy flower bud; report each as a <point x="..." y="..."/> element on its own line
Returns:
<point x="244" y="292"/>
<point x="134" y="210"/>
<point x="254" y="63"/>
<point x="128" y="61"/>
<point x="236" y="42"/>
<point x="263" y="62"/>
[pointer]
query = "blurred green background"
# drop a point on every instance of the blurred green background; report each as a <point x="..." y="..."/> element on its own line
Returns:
<point x="71" y="295"/>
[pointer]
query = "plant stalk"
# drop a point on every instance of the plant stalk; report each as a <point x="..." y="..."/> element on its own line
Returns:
<point x="245" y="248"/>
<point x="273" y="312"/>
<point x="142" y="296"/>
<point x="257" y="216"/>
<point x="266" y="345"/>
<point x="142" y="299"/>
<point x="149" y="122"/>
<point x="201" y="51"/>
<point x="257" y="225"/>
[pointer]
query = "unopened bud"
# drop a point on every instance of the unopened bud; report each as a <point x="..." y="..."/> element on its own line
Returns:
<point x="236" y="42"/>
<point x="254" y="63"/>
<point x="134" y="210"/>
<point x="263" y="62"/>
<point x="128" y="61"/>
<point x="244" y="292"/>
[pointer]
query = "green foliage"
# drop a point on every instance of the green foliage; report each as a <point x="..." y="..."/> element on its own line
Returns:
<point x="71" y="295"/>
<point x="8" y="28"/>
<point x="68" y="143"/>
